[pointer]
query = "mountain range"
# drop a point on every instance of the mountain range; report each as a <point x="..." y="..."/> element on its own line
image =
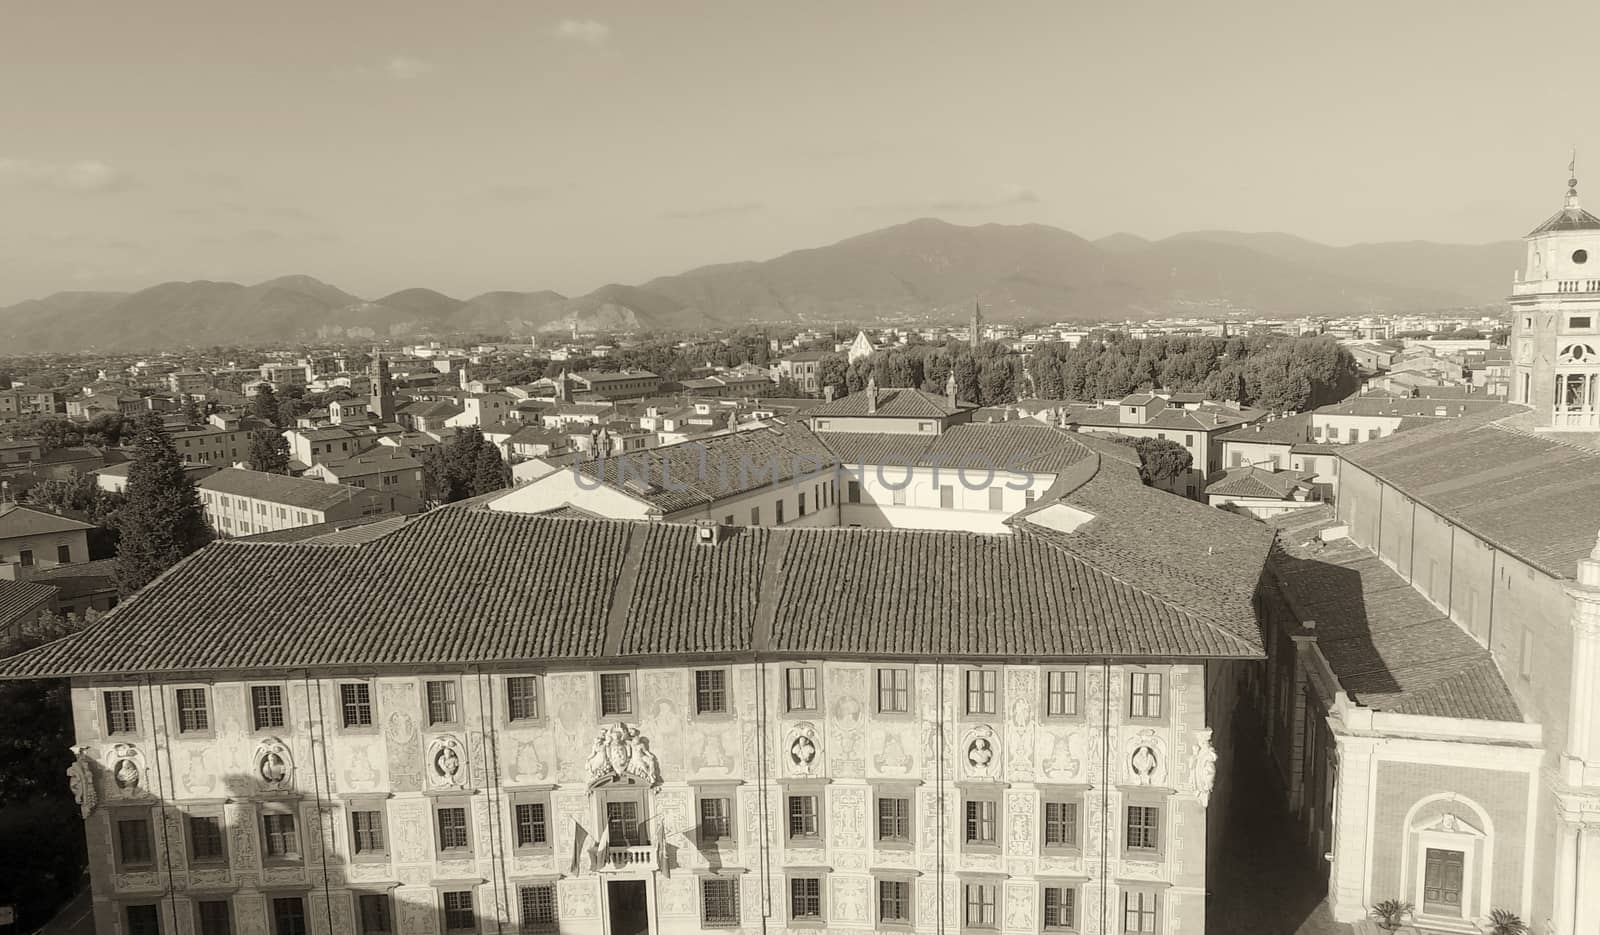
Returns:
<point x="925" y="269"/>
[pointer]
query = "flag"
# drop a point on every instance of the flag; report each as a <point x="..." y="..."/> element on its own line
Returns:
<point x="579" y="836"/>
<point x="603" y="845"/>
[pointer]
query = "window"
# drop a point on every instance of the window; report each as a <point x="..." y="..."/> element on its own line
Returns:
<point x="212" y="917"/>
<point x="288" y="915"/>
<point x="719" y="902"/>
<point x="852" y="491"/>
<point x="1060" y="907"/>
<point x="616" y="694"/>
<point x="355" y="703"/>
<point x="452" y="823"/>
<point x="64" y="554"/>
<point x="374" y="914"/>
<point x="533" y="829"/>
<point x="803" y="820"/>
<point x="25" y="558"/>
<point x="1309" y="465"/>
<point x="716" y="819"/>
<point x="894" y="819"/>
<point x="801" y="511"/>
<point x="192" y="715"/>
<point x="779" y="520"/>
<point x="366" y="832"/>
<point x="711" y="691"/>
<point x="980" y="821"/>
<point x="727" y="520"/>
<point x="522" y="698"/>
<point x="1060" y="824"/>
<point x="134" y="847"/>
<point x="1579" y="321"/>
<point x="623" y="825"/>
<point x="1144" y="694"/>
<point x="755" y="516"/>
<point x="947" y="497"/>
<point x="458" y="914"/>
<point x="143" y="920"/>
<point x="1525" y="655"/>
<point x="1371" y="434"/>
<point x="894" y="691"/>
<point x="266" y="706"/>
<point x="979" y="899"/>
<point x="1061" y="693"/>
<point x="278" y="838"/>
<point x="538" y="902"/>
<point x="1188" y="441"/>
<point x="120" y="716"/>
<point x="1144" y="828"/>
<point x="894" y="902"/>
<point x="441" y="701"/>
<point x="805" y="899"/>
<point x="800" y="688"/>
<point x="982" y="689"/>
<point x="1028" y="496"/>
<point x="1139" y="912"/>
<point x="205" y="839"/>
<point x="900" y="496"/>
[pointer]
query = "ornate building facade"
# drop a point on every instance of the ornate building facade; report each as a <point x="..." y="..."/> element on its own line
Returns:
<point x="611" y="727"/>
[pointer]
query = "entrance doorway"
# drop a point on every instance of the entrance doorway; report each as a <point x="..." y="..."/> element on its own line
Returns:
<point x="1441" y="882"/>
<point x="629" y="907"/>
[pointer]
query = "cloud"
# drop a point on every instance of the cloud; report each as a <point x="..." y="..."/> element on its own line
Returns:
<point x="88" y="176"/>
<point x="1010" y="196"/>
<point x="511" y="192"/>
<point x="404" y="68"/>
<point x="396" y="68"/>
<point x="587" y="31"/>
<point x="719" y="211"/>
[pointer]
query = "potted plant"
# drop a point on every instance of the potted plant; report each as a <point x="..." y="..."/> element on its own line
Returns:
<point x="1505" y="922"/>
<point x="1391" y="913"/>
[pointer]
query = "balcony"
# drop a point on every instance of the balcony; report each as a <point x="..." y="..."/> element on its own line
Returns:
<point x="1555" y="287"/>
<point x="637" y="857"/>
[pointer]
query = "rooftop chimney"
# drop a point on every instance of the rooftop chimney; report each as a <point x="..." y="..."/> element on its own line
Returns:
<point x="950" y="388"/>
<point x="872" y="395"/>
<point x="827" y="393"/>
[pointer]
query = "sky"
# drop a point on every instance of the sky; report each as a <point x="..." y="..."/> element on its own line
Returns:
<point x="474" y="145"/>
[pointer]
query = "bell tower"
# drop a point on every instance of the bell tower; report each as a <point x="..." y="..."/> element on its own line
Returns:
<point x="1555" y="319"/>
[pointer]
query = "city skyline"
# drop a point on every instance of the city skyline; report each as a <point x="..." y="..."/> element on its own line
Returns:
<point x="579" y="145"/>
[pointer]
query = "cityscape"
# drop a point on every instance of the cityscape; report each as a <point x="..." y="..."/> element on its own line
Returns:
<point x="877" y="561"/>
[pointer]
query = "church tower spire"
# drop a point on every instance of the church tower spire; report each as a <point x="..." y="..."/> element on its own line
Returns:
<point x="977" y="324"/>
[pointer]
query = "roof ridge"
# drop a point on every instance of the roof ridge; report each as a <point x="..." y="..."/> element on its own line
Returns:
<point x="1062" y="543"/>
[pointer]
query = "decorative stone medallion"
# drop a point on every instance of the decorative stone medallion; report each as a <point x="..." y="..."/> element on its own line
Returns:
<point x="274" y="765"/>
<point x="127" y="768"/>
<point x="803" y="750"/>
<point x="447" y="763"/>
<point x="980" y="753"/>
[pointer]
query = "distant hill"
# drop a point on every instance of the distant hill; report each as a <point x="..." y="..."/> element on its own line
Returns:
<point x="925" y="268"/>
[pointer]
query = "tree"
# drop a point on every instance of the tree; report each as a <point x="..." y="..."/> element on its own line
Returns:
<point x="1162" y="461"/>
<point x="490" y="473"/>
<point x="192" y="413"/>
<point x="37" y="812"/>
<point x="161" y="520"/>
<point x="265" y="403"/>
<point x="269" y="451"/>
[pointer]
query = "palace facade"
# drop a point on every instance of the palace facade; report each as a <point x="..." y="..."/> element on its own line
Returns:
<point x="491" y="722"/>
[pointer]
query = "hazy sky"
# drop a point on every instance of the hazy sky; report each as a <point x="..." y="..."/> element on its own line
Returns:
<point x="470" y="146"/>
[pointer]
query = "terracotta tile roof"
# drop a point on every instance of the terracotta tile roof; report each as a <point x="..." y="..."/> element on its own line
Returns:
<point x="1389" y="646"/>
<point x="22" y="597"/>
<point x="17" y="520"/>
<point x="1284" y="431"/>
<point x="1258" y="482"/>
<point x="673" y="478"/>
<point x="894" y="402"/>
<point x="339" y="532"/>
<point x="1020" y="444"/>
<point x="618" y="589"/>
<point x="1536" y="496"/>
<point x="278" y="488"/>
<point x="80" y="578"/>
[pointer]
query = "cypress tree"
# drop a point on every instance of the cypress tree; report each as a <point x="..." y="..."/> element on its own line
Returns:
<point x="265" y="403"/>
<point x="161" y="520"/>
<point x="490" y="473"/>
<point x="269" y="452"/>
